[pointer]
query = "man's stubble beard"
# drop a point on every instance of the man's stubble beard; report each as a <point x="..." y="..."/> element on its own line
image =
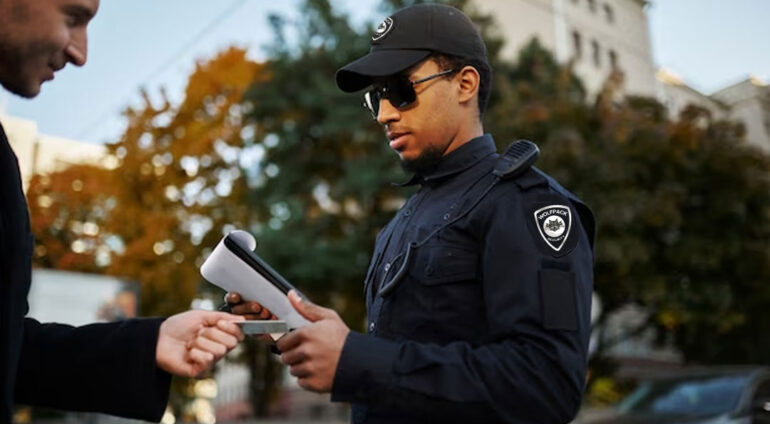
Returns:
<point x="14" y="53"/>
<point x="426" y="161"/>
<point x="13" y="76"/>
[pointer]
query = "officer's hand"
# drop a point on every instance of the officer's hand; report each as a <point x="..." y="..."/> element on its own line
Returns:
<point x="248" y="309"/>
<point x="312" y="352"/>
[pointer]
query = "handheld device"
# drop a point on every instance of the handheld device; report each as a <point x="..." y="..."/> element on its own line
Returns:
<point x="234" y="267"/>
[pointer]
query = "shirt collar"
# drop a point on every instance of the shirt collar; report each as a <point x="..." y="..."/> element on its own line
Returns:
<point x="456" y="161"/>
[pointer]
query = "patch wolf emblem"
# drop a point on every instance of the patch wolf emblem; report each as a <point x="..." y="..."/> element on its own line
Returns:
<point x="554" y="223"/>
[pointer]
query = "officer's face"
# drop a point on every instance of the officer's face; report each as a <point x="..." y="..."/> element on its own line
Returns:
<point x="38" y="38"/>
<point x="422" y="132"/>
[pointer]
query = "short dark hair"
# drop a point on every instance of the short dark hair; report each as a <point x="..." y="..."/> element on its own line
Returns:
<point x="485" y="73"/>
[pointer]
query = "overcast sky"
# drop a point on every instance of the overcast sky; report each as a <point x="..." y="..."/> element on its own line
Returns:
<point x="150" y="43"/>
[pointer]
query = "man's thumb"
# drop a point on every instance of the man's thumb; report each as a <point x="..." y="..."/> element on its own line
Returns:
<point x="306" y="308"/>
<point x="211" y="318"/>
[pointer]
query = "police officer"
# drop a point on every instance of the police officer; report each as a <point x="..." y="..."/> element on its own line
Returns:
<point x="478" y="294"/>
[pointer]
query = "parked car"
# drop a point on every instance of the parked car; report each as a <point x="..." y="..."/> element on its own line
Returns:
<point x="713" y="395"/>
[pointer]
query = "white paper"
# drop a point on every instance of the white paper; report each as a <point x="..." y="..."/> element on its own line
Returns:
<point x="226" y="270"/>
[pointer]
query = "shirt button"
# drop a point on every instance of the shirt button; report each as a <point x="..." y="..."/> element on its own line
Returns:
<point x="407" y="212"/>
<point x="446" y="217"/>
<point x="371" y="326"/>
<point x="387" y="267"/>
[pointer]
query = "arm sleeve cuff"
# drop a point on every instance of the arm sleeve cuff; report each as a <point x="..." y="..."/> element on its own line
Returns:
<point x="365" y="367"/>
<point x="159" y="392"/>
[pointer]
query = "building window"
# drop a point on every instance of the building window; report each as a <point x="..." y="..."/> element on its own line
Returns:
<point x="577" y="45"/>
<point x="609" y="13"/>
<point x="613" y="60"/>
<point x="596" y="53"/>
<point x="592" y="5"/>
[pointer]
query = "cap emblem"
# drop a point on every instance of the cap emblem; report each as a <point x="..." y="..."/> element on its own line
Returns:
<point x="383" y="29"/>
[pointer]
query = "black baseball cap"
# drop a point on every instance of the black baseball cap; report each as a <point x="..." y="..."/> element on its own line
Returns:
<point x="409" y="36"/>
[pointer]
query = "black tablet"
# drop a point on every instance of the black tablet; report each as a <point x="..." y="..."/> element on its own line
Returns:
<point x="258" y="265"/>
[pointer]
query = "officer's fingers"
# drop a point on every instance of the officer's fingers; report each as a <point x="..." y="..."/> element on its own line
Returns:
<point x="233" y="298"/>
<point x="306" y="384"/>
<point x="294" y="356"/>
<point x="249" y="309"/>
<point x="290" y="340"/>
<point x="300" y="370"/>
<point x="308" y="309"/>
<point x="265" y="314"/>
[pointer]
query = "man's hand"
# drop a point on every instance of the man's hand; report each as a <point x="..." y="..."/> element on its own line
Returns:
<point x="313" y="352"/>
<point x="191" y="342"/>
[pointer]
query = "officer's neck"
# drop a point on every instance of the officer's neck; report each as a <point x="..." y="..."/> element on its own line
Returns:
<point x="466" y="132"/>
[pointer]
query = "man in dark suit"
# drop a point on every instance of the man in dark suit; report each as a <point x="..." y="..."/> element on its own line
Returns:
<point x="116" y="368"/>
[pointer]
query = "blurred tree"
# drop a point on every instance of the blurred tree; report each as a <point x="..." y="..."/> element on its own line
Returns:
<point x="172" y="185"/>
<point x="178" y="170"/>
<point x="322" y="190"/>
<point x="168" y="182"/>
<point x="68" y="211"/>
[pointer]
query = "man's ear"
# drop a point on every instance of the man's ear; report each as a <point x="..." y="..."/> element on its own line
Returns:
<point x="470" y="80"/>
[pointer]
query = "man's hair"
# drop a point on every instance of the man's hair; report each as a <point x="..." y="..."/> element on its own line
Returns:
<point x="485" y="73"/>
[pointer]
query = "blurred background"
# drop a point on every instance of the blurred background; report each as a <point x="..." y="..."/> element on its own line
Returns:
<point x="195" y="118"/>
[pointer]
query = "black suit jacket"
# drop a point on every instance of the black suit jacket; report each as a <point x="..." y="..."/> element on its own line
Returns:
<point x="107" y="368"/>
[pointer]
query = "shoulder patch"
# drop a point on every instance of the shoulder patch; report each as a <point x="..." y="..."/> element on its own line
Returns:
<point x="554" y="223"/>
<point x="551" y="221"/>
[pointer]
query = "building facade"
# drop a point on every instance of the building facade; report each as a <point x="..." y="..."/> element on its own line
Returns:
<point x="40" y="154"/>
<point x="598" y="36"/>
<point x="749" y="102"/>
<point x="602" y="36"/>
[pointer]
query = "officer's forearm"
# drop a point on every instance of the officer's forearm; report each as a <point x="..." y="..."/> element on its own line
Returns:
<point x="511" y="380"/>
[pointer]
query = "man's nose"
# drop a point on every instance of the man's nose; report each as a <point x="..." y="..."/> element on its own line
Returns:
<point x="387" y="113"/>
<point x="77" y="49"/>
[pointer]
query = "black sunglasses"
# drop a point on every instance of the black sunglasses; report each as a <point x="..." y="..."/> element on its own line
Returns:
<point x="399" y="91"/>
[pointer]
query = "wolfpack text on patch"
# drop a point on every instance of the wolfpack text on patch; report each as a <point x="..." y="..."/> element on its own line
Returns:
<point x="554" y="223"/>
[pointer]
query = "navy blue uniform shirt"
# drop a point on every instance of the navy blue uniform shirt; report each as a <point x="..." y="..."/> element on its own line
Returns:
<point x="486" y="317"/>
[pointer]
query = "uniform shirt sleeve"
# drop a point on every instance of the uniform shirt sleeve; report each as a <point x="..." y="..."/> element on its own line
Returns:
<point x="108" y="368"/>
<point x="532" y="369"/>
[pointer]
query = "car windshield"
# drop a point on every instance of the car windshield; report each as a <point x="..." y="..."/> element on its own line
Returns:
<point x="702" y="395"/>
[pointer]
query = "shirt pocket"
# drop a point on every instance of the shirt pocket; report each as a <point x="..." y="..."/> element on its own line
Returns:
<point x="446" y="277"/>
<point x="444" y="264"/>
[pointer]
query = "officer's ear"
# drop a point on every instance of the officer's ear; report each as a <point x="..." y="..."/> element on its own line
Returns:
<point x="469" y="81"/>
